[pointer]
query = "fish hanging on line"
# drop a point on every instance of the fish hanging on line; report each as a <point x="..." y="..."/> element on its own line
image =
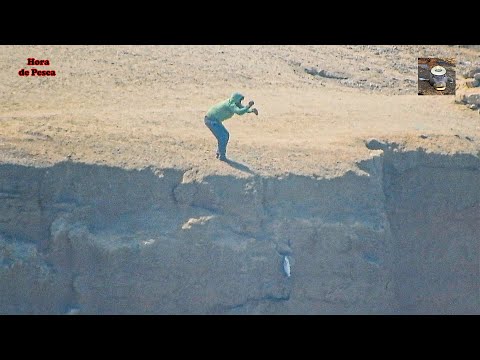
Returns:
<point x="286" y="266"/>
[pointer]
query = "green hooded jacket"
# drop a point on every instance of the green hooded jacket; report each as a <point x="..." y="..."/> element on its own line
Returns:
<point x="226" y="109"/>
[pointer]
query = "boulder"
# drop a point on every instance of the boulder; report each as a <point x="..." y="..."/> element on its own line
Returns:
<point x="472" y="99"/>
<point x="470" y="73"/>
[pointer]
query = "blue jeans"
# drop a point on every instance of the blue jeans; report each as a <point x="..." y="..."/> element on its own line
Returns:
<point x="222" y="135"/>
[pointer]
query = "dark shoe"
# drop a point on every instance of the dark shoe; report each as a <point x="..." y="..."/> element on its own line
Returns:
<point x="217" y="155"/>
<point x="222" y="158"/>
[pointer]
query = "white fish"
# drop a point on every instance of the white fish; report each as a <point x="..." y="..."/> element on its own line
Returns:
<point x="286" y="266"/>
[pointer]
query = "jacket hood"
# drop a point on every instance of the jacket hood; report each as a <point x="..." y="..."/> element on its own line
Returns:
<point x="236" y="97"/>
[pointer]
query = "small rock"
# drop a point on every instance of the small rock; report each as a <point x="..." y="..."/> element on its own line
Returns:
<point x="311" y="71"/>
<point x="473" y="83"/>
<point x="471" y="73"/>
<point x="424" y="136"/>
<point x="324" y="73"/>
<point x="473" y="99"/>
<point x="331" y="75"/>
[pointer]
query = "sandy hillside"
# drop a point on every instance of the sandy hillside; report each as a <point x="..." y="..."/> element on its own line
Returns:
<point x="137" y="106"/>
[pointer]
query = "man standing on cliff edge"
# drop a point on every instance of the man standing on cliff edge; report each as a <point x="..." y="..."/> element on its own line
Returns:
<point x="221" y="112"/>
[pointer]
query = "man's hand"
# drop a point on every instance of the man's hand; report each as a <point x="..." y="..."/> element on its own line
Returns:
<point x="251" y="103"/>
<point x="255" y="111"/>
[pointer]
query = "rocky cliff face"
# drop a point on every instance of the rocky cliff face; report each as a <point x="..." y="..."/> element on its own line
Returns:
<point x="400" y="236"/>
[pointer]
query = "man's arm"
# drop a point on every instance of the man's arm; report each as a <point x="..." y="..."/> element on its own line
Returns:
<point x="243" y="109"/>
<point x="240" y="110"/>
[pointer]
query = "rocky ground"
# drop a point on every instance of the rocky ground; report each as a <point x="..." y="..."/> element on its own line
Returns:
<point x="469" y="89"/>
